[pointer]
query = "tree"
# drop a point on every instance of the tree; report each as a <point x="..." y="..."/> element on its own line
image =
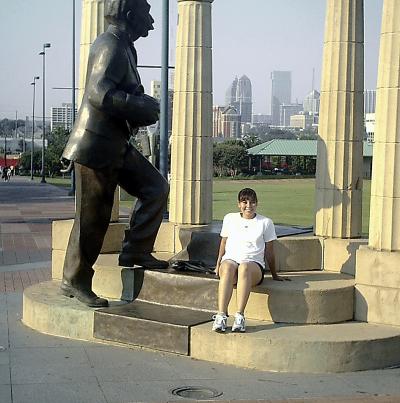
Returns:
<point x="251" y="140"/>
<point x="25" y="161"/>
<point x="57" y="140"/>
<point x="230" y="157"/>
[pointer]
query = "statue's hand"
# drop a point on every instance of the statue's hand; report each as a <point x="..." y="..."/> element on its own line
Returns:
<point x="145" y="110"/>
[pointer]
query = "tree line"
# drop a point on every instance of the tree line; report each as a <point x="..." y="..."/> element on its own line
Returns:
<point x="56" y="141"/>
<point x="230" y="157"/>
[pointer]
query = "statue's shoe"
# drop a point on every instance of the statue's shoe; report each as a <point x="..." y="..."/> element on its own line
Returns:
<point x="87" y="297"/>
<point x="145" y="260"/>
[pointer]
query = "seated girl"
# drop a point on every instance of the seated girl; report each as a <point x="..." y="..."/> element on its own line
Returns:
<point x="246" y="244"/>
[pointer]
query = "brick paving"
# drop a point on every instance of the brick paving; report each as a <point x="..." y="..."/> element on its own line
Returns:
<point x="27" y="210"/>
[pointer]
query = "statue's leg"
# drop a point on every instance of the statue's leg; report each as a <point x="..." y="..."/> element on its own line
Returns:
<point x="142" y="180"/>
<point x="94" y="200"/>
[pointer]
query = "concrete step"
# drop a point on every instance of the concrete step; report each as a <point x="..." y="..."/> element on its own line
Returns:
<point x="154" y="326"/>
<point x="350" y="346"/>
<point x="311" y="296"/>
<point x="49" y="312"/>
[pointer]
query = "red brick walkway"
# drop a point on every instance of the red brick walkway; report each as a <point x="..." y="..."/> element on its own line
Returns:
<point x="26" y="212"/>
<point x="14" y="281"/>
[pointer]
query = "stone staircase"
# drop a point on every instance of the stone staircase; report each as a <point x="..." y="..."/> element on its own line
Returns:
<point x="304" y="325"/>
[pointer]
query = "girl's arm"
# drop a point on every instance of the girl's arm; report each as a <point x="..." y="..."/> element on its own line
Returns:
<point x="221" y="253"/>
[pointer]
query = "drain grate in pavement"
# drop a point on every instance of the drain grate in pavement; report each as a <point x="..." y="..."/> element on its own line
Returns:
<point x="196" y="392"/>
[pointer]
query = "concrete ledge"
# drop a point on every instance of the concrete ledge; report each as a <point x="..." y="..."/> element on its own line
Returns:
<point x="112" y="241"/>
<point x="266" y="346"/>
<point x="340" y="254"/>
<point x="311" y="297"/>
<point x="295" y="253"/>
<point x="298" y="253"/>
<point x="49" y="312"/>
<point x="165" y="241"/>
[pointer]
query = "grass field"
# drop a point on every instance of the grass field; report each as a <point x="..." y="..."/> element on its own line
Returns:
<point x="286" y="201"/>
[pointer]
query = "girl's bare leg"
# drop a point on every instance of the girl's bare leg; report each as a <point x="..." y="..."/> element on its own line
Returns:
<point x="249" y="275"/>
<point x="228" y="277"/>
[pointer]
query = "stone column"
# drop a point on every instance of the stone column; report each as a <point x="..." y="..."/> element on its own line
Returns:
<point x="191" y="154"/>
<point x="378" y="265"/>
<point x="93" y="24"/>
<point x="340" y="146"/>
<point x="384" y="229"/>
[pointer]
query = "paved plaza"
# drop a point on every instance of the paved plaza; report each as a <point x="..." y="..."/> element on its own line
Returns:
<point x="44" y="369"/>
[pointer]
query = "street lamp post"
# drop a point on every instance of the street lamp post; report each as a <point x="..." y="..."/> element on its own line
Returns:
<point x="72" y="191"/>
<point x="33" y="123"/>
<point x="43" y="53"/>
<point x="164" y="90"/>
<point x="5" y="148"/>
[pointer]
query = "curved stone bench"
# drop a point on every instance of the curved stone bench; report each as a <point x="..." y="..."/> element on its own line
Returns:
<point x="310" y="297"/>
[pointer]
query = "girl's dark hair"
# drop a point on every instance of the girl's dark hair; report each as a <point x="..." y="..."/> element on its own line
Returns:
<point x="247" y="194"/>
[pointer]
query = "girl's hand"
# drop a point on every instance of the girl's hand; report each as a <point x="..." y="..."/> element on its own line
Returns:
<point x="279" y="278"/>
<point x="217" y="269"/>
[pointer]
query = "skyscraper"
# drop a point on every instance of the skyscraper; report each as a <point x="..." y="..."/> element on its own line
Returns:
<point x="230" y="95"/>
<point x="239" y="95"/>
<point x="281" y="93"/>
<point x="244" y="99"/>
<point x="311" y="103"/>
<point x="369" y="101"/>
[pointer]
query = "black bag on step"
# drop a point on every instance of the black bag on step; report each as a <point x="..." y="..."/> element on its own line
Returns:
<point x="195" y="266"/>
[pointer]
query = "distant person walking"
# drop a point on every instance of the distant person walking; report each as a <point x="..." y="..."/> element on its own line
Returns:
<point x="5" y="174"/>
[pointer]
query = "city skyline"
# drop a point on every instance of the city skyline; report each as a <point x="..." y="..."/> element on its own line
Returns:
<point x="269" y="44"/>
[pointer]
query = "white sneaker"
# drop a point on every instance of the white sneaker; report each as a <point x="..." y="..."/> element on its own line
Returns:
<point x="239" y="323"/>
<point x="219" y="324"/>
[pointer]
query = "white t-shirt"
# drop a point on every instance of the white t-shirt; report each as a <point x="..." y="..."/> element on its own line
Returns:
<point x="246" y="238"/>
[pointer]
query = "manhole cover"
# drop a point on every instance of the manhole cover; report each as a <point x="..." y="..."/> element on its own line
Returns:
<point x="196" y="392"/>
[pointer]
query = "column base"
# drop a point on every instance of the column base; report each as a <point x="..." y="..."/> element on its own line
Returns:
<point x="377" y="292"/>
<point x="340" y="254"/>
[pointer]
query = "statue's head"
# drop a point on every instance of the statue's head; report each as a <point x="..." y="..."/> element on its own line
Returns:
<point x="132" y="14"/>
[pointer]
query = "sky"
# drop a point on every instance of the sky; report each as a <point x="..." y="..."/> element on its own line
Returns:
<point x="251" y="37"/>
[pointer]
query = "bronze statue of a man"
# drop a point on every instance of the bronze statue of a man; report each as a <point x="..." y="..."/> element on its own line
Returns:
<point x="114" y="106"/>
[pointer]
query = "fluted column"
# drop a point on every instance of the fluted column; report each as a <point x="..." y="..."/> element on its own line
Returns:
<point x="339" y="164"/>
<point x="93" y="24"/>
<point x="384" y="229"/>
<point x="191" y="154"/>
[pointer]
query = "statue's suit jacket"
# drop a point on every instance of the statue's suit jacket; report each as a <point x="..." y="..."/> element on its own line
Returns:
<point x="101" y="132"/>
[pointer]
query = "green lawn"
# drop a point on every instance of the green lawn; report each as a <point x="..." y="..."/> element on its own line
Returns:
<point x="57" y="181"/>
<point x="286" y="201"/>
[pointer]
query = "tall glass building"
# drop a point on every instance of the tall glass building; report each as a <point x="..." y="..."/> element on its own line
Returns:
<point x="281" y="93"/>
